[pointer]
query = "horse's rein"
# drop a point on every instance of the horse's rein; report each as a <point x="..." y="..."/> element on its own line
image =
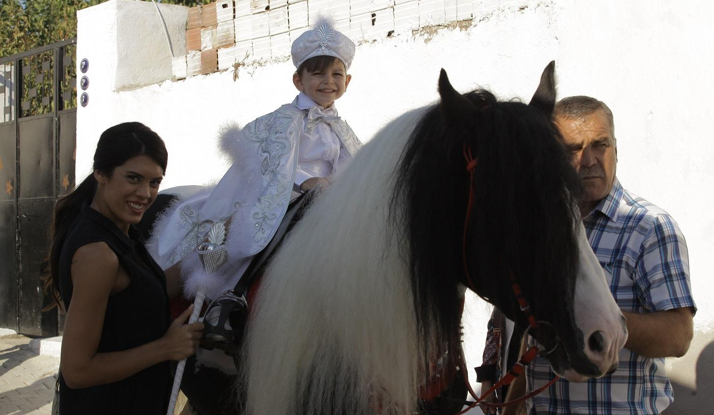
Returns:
<point x="532" y="352"/>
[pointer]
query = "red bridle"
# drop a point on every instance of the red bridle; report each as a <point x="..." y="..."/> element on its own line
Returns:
<point x="532" y="352"/>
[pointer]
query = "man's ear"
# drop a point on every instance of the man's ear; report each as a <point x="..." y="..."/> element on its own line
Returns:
<point x="348" y="78"/>
<point x="297" y="82"/>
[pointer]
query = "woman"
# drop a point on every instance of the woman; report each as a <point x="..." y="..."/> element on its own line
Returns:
<point x="118" y="338"/>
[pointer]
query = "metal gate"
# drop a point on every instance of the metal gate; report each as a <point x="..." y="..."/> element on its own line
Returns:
<point x="37" y="158"/>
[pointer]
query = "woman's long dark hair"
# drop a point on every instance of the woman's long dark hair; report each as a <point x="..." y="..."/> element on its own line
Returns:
<point x="116" y="146"/>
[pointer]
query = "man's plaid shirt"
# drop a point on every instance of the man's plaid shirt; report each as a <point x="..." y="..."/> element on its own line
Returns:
<point x="644" y="255"/>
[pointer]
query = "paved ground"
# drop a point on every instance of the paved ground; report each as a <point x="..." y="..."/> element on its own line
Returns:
<point x="26" y="379"/>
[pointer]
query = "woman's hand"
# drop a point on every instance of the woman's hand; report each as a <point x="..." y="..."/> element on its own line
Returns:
<point x="314" y="182"/>
<point x="181" y="340"/>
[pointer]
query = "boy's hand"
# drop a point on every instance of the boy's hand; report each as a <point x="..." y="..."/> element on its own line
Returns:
<point x="314" y="182"/>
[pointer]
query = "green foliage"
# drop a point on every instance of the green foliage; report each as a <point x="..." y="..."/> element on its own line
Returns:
<point x="28" y="24"/>
<point x="38" y="23"/>
<point x="41" y="22"/>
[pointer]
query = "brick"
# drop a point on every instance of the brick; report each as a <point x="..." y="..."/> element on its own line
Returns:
<point x="464" y="9"/>
<point x="194" y="17"/>
<point x="260" y="25"/>
<point x="342" y="25"/>
<point x="209" y="61"/>
<point x="243" y="28"/>
<point x="294" y="34"/>
<point x="297" y="13"/>
<point x="280" y="45"/>
<point x="224" y="11"/>
<point x="240" y="52"/>
<point x="431" y="12"/>
<point x="358" y="7"/>
<point x="225" y="34"/>
<point x="241" y="8"/>
<point x="276" y="4"/>
<point x="261" y="48"/>
<point x="226" y="58"/>
<point x="358" y="27"/>
<point x="193" y="63"/>
<point x="406" y="16"/>
<point x="316" y="8"/>
<point x="244" y="51"/>
<point x="193" y="39"/>
<point x="208" y="38"/>
<point x="208" y="15"/>
<point x="258" y="6"/>
<point x="339" y="10"/>
<point x="278" y="21"/>
<point x="373" y="25"/>
<point x="450" y="10"/>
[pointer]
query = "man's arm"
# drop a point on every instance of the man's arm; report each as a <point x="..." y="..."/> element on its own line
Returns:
<point x="660" y="334"/>
<point x="663" y="287"/>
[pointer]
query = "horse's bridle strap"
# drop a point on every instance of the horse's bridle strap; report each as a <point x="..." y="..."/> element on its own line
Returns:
<point x="532" y="352"/>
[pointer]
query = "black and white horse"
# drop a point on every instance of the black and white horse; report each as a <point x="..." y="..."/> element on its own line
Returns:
<point x="361" y="307"/>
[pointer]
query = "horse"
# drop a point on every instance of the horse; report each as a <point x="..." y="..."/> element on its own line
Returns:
<point x="361" y="307"/>
<point x="359" y="310"/>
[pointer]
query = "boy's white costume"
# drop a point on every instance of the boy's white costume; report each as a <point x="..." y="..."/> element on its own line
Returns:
<point x="256" y="190"/>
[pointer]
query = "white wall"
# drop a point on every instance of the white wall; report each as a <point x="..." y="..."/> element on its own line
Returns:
<point x="649" y="60"/>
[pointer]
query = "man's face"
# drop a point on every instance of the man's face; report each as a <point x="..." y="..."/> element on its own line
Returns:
<point x="594" y="154"/>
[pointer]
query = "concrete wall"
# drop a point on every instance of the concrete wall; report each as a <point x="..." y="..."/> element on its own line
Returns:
<point x="650" y="60"/>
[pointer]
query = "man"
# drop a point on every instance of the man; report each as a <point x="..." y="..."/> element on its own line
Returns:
<point x="644" y="255"/>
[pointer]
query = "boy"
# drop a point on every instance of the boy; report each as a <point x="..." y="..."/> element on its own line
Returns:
<point x="299" y="146"/>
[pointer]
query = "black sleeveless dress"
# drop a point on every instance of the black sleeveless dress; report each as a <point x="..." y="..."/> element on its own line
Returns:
<point x="137" y="315"/>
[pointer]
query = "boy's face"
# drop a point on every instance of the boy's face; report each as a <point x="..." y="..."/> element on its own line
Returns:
<point x="324" y="87"/>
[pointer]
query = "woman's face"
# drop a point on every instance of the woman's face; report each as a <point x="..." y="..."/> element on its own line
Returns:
<point x="124" y="196"/>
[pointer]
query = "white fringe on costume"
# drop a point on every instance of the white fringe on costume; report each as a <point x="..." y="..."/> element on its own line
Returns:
<point x="192" y="272"/>
<point x="334" y="326"/>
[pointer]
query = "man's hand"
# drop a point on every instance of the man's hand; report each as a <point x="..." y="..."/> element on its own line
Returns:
<point x="491" y="398"/>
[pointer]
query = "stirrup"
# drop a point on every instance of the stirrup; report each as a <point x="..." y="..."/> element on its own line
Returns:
<point x="224" y="323"/>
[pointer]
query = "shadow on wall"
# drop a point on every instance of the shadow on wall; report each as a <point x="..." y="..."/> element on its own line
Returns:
<point x="693" y="401"/>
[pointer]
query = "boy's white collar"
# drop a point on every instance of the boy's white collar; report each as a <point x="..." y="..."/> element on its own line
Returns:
<point x="304" y="102"/>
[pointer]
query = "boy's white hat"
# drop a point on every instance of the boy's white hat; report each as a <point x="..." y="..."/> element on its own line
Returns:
<point x="322" y="40"/>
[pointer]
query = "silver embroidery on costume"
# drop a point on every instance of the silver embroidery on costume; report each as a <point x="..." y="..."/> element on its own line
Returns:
<point x="276" y="134"/>
<point x="196" y="232"/>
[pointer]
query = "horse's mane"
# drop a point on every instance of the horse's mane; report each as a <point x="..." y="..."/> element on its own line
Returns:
<point x="522" y="171"/>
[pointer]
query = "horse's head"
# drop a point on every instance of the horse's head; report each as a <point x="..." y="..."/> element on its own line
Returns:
<point x="523" y="224"/>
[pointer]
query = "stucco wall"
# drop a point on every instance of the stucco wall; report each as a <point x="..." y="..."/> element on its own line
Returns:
<point x="649" y="60"/>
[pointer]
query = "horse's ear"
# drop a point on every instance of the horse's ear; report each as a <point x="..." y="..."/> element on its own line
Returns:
<point x="544" y="97"/>
<point x="454" y="105"/>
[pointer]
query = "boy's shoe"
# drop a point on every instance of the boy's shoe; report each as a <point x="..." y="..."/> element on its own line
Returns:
<point x="224" y="323"/>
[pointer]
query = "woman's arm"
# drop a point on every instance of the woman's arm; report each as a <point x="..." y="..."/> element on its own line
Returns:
<point x="95" y="273"/>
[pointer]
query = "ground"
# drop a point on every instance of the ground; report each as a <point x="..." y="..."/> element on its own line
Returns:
<point x="26" y="379"/>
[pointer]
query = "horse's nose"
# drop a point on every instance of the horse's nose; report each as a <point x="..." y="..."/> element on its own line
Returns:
<point x="596" y="342"/>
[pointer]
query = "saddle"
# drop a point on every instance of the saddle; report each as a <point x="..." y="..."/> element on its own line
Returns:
<point x="227" y="316"/>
